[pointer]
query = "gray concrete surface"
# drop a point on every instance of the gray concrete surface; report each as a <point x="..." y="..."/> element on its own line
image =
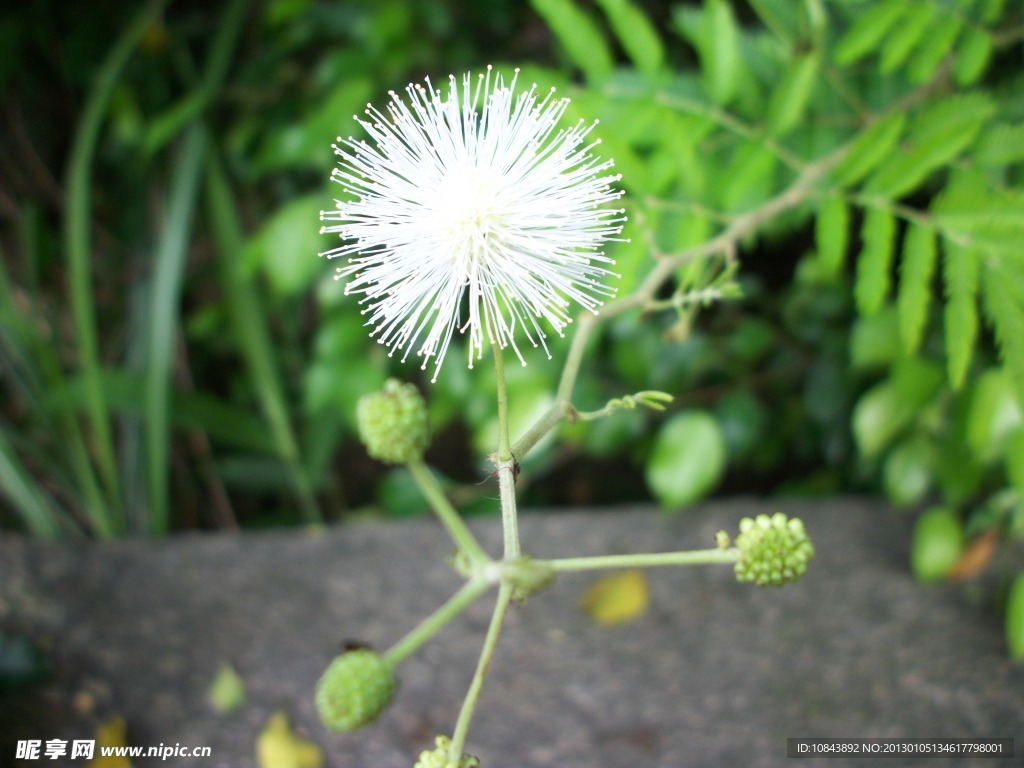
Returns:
<point x="715" y="674"/>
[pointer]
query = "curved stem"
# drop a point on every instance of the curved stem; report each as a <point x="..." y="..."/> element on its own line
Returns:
<point x="486" y="653"/>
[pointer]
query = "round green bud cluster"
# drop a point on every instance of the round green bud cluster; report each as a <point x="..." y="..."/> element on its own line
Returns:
<point x="440" y="758"/>
<point x="393" y="423"/>
<point x="773" y="550"/>
<point x="355" y="688"/>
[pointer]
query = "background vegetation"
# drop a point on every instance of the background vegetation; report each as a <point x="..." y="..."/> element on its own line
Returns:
<point x="837" y="184"/>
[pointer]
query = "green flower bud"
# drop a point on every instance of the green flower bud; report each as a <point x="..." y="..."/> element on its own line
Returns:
<point x="355" y="688"/>
<point x="773" y="550"/>
<point x="439" y="757"/>
<point x="393" y="423"/>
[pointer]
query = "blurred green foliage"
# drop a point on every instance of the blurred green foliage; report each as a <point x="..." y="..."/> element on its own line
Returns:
<point x="174" y="355"/>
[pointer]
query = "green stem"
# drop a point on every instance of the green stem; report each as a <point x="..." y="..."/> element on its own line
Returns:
<point x="645" y="560"/>
<point x="505" y="464"/>
<point x="431" y="625"/>
<point x="486" y="653"/>
<point x="449" y="517"/>
<point x="541" y="427"/>
<point x="504" y="447"/>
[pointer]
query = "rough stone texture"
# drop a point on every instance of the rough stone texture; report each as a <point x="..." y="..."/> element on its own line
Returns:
<point x="715" y="674"/>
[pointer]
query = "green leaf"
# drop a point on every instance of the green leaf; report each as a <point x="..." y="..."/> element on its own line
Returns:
<point x="687" y="460"/>
<point x="961" y="272"/>
<point x="992" y="10"/>
<point x="907" y="472"/>
<point x="875" y="261"/>
<point x="750" y="178"/>
<point x="887" y="409"/>
<point x="1015" y="619"/>
<point x="912" y="29"/>
<point x="1000" y="144"/>
<point x="991" y="220"/>
<point x="940" y="132"/>
<point x="869" y="148"/>
<point x="917" y="266"/>
<point x="306" y="142"/>
<point x="579" y="36"/>
<point x="636" y="34"/>
<point x="874" y="340"/>
<point x="992" y="415"/>
<point x="832" y="233"/>
<point x="285" y="247"/>
<point x="972" y="56"/>
<point x="868" y="30"/>
<point x="1014" y="459"/>
<point x="1004" y="303"/>
<point x="937" y="543"/>
<point x="719" y="50"/>
<point x="935" y="47"/>
<point x="792" y="94"/>
<point x="785" y="19"/>
<point x="878" y="417"/>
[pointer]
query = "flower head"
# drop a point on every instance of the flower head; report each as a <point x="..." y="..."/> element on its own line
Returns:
<point x="354" y="689"/>
<point x="393" y="423"/>
<point x="472" y="210"/>
<point x="773" y="550"/>
<point x="441" y="757"/>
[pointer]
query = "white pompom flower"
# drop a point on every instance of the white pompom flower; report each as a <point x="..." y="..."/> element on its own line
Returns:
<point x="473" y="210"/>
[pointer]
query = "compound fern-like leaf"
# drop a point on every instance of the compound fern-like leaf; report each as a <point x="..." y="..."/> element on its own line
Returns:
<point x="961" y="273"/>
<point x="869" y="148"/>
<point x="831" y="234"/>
<point x="868" y="31"/>
<point x="637" y="35"/>
<point x="939" y="134"/>
<point x="875" y="262"/>
<point x="1003" y="298"/>
<point x="917" y="266"/>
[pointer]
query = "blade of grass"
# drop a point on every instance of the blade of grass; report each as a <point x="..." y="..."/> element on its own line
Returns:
<point x="29" y="354"/>
<point x="18" y="486"/>
<point x="165" y="292"/>
<point x="167" y="279"/>
<point x="79" y="257"/>
<point x="251" y="335"/>
<point x="168" y="124"/>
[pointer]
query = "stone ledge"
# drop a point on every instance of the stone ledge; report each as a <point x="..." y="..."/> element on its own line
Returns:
<point x="715" y="674"/>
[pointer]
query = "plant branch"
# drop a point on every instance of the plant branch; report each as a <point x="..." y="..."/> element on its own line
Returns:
<point x="505" y="464"/>
<point x="645" y="560"/>
<point x="436" y="621"/>
<point x="486" y="653"/>
<point x="726" y="242"/>
<point x="446" y="513"/>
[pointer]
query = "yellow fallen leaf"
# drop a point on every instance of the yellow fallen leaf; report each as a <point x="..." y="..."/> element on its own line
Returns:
<point x="278" y="746"/>
<point x="110" y="733"/>
<point x="227" y="691"/>
<point x="616" y="598"/>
